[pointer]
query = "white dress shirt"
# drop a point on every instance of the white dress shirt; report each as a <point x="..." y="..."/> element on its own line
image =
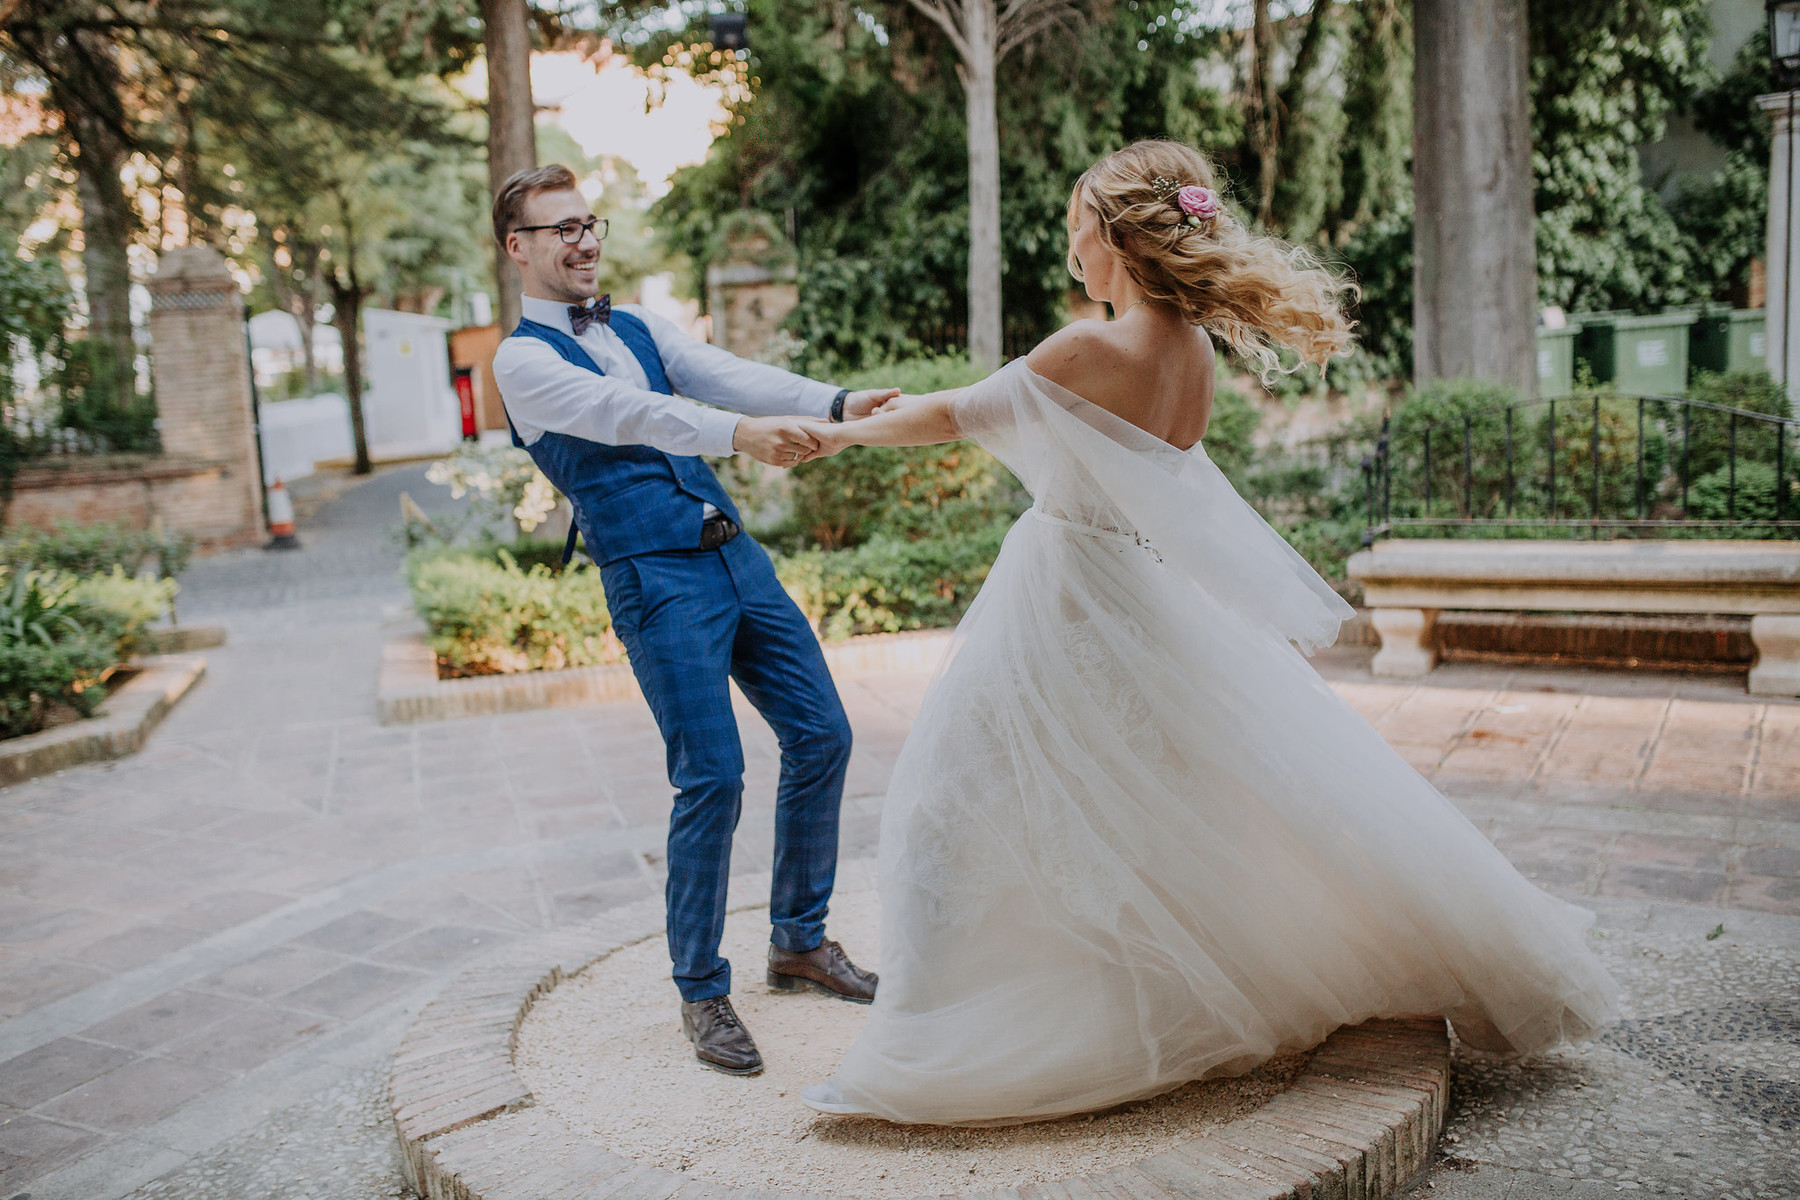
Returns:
<point x="544" y="392"/>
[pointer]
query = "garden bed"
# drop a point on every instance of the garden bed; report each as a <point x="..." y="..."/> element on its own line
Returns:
<point x="144" y="695"/>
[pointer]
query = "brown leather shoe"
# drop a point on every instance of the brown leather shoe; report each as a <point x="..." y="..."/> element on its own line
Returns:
<point x="827" y="968"/>
<point x="720" y="1039"/>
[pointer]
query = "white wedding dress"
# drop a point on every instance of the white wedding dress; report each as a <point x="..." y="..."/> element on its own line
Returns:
<point x="1133" y="838"/>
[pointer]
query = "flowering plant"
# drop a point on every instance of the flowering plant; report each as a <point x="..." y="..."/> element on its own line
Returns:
<point x="503" y="477"/>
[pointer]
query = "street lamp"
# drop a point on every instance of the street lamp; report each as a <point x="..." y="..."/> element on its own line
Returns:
<point x="729" y="30"/>
<point x="1784" y="66"/>
<point x="1784" y="42"/>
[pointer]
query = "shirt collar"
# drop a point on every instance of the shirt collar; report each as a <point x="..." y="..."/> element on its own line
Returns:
<point x="553" y="313"/>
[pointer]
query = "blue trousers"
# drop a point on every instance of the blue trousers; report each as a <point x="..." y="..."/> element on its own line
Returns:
<point x="692" y="621"/>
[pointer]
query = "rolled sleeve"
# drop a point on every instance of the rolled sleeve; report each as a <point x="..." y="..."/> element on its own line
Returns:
<point x="716" y="376"/>
<point x="545" y="393"/>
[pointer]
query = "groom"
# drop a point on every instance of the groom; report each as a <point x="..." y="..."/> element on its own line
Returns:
<point x="590" y="392"/>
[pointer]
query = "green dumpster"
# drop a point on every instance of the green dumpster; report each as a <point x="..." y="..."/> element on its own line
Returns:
<point x="1556" y="360"/>
<point x="1729" y="341"/>
<point x="1645" y="355"/>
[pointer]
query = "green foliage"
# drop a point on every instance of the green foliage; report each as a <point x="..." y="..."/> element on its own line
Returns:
<point x="125" y="605"/>
<point x="487" y="614"/>
<point x="100" y="403"/>
<point x="1710" y="433"/>
<point x="1604" y="77"/>
<point x="1749" y="496"/>
<point x="889" y="584"/>
<point x="857" y="141"/>
<point x="908" y="493"/>
<point x="60" y="635"/>
<point x="1230" y="428"/>
<point x="96" y="549"/>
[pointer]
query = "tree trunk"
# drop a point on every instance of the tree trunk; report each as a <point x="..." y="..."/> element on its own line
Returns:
<point x="106" y="223"/>
<point x="512" y="137"/>
<point x="985" y="344"/>
<point x="1475" y="259"/>
<point x="1265" y="111"/>
<point x="347" y="315"/>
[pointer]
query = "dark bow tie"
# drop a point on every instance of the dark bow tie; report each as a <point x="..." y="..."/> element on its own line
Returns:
<point x="580" y="317"/>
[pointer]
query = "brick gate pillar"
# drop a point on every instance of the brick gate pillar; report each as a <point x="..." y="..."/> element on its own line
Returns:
<point x="202" y="370"/>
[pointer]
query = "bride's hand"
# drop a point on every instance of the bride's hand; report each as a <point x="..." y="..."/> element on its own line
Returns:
<point x="831" y="438"/>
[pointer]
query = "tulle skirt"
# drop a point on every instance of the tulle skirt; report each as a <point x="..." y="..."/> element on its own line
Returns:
<point x="1134" y="841"/>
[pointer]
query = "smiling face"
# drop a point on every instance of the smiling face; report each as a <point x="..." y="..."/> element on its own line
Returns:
<point x="1090" y="259"/>
<point x="551" y="268"/>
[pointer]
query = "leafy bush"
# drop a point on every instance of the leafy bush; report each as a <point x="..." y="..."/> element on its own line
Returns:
<point x="489" y="615"/>
<point x="1709" y="433"/>
<point x="909" y="493"/>
<point x="1715" y="497"/>
<point x="96" y="549"/>
<point x="60" y="636"/>
<point x="890" y="584"/>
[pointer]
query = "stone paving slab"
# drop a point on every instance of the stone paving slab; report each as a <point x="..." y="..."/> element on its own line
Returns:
<point x="468" y="1129"/>
<point x="272" y="834"/>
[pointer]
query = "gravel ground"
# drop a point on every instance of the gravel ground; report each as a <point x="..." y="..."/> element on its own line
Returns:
<point x="605" y="1053"/>
<point x="337" y="1145"/>
<point x="1695" y="1093"/>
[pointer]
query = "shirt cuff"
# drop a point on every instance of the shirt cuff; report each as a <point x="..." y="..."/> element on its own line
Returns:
<point x="816" y="400"/>
<point x="717" y="429"/>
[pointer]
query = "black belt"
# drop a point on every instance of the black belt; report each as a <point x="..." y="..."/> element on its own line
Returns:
<point x="716" y="530"/>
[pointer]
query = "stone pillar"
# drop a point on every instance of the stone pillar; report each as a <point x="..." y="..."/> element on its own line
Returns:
<point x="202" y="370"/>
<point x="1474" y="248"/>
<point x="748" y="303"/>
<point x="1781" y="259"/>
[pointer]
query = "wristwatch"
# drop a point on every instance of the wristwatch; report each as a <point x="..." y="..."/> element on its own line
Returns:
<point x="837" y="406"/>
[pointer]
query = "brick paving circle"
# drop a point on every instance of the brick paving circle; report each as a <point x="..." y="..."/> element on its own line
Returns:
<point x="1358" y="1122"/>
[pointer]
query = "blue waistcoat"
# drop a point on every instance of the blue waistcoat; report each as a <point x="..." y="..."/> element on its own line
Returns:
<point x="627" y="499"/>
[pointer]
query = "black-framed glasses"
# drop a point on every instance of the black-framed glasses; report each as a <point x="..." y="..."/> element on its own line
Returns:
<point x="571" y="231"/>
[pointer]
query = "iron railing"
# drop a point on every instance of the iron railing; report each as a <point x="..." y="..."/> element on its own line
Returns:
<point x="1603" y="464"/>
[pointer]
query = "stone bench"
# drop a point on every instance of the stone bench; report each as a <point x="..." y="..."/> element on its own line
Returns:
<point x="1408" y="581"/>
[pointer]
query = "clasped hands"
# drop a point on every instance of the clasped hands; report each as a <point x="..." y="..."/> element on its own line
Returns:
<point x="787" y="441"/>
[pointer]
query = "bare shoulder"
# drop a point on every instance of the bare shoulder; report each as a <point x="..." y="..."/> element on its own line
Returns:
<point x="1078" y="355"/>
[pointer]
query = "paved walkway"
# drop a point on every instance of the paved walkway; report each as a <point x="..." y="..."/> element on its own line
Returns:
<point x="207" y="952"/>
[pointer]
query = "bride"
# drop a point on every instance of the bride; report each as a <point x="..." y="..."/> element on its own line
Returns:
<point x="1133" y="839"/>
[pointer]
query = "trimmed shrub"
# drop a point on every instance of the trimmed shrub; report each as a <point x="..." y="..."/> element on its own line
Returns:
<point x="889" y="584"/>
<point x="95" y="549"/>
<point x="912" y="492"/>
<point x="489" y="615"/>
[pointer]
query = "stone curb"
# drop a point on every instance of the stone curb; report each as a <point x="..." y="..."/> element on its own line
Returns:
<point x="1358" y="1123"/>
<point x="410" y="692"/>
<point x="184" y="639"/>
<point x="130" y="714"/>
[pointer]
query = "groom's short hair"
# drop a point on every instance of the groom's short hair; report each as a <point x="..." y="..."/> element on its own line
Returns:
<point x="520" y="186"/>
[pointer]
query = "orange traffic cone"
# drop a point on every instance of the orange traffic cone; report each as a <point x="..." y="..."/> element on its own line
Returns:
<point x="281" y="519"/>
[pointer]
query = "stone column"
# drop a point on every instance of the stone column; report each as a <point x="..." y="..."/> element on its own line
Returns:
<point x="1782" y="261"/>
<point x="202" y="370"/>
<point x="1474" y="250"/>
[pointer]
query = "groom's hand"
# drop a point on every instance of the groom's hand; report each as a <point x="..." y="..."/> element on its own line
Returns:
<point x="778" y="441"/>
<point x="858" y="405"/>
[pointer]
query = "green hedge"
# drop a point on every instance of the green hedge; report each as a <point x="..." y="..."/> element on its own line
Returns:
<point x="95" y="549"/>
<point x="890" y="584"/>
<point x="489" y="615"/>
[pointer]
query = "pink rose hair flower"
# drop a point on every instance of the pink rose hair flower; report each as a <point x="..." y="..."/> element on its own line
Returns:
<point x="1199" y="203"/>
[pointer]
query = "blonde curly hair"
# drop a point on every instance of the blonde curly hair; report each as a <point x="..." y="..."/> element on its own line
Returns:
<point x="1255" y="293"/>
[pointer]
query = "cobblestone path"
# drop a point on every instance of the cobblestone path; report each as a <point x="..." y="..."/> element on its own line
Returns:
<point x="208" y="951"/>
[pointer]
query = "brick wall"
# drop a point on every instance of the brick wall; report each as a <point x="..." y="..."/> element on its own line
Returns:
<point x="196" y="496"/>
